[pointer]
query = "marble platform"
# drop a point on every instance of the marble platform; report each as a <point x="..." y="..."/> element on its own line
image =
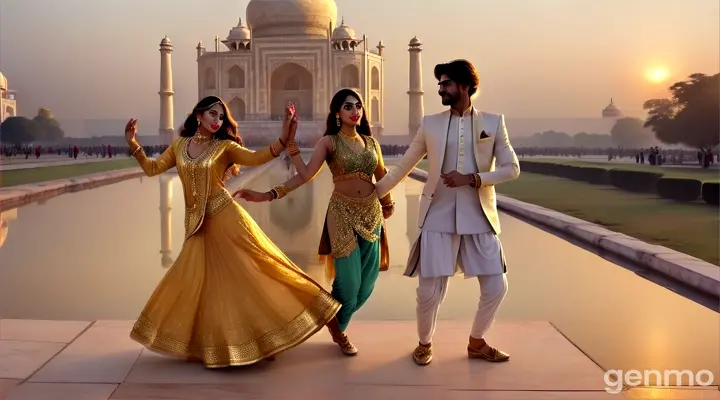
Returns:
<point x="84" y="360"/>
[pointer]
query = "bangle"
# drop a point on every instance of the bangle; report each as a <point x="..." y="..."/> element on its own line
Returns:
<point x="292" y="148"/>
<point x="274" y="194"/>
<point x="389" y="205"/>
<point x="273" y="151"/>
<point x="280" y="191"/>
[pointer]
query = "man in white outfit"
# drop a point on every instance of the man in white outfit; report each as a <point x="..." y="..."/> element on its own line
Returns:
<point x="468" y="152"/>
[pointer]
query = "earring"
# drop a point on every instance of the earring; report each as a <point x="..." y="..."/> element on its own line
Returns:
<point x="337" y="118"/>
<point x="198" y="128"/>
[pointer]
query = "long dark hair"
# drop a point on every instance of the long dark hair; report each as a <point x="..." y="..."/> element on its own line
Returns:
<point x="331" y="125"/>
<point x="228" y="130"/>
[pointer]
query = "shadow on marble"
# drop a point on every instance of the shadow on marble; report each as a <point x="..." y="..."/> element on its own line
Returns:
<point x="102" y="354"/>
<point x="62" y="391"/>
<point x="541" y="359"/>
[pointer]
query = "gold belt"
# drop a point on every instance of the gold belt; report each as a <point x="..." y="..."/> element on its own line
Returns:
<point x="351" y="176"/>
<point x="218" y="202"/>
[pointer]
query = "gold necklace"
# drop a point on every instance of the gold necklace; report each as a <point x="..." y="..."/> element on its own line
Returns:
<point x="353" y="135"/>
<point x="201" y="139"/>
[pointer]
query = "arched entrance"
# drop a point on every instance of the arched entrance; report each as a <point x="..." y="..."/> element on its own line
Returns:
<point x="291" y="83"/>
<point x="350" y="77"/>
<point x="237" y="109"/>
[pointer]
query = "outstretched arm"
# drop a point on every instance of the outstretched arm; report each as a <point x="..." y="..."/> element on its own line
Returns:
<point x="150" y="166"/>
<point x="388" y="205"/>
<point x="404" y="166"/>
<point x="508" y="167"/>
<point x="313" y="167"/>
<point x="237" y="154"/>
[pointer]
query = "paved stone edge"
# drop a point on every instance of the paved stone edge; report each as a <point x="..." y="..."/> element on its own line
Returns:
<point x="690" y="270"/>
<point x="16" y="196"/>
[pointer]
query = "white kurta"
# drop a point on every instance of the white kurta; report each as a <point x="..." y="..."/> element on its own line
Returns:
<point x="456" y="228"/>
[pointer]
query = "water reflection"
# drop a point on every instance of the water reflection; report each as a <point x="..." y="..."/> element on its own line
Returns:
<point x="94" y="255"/>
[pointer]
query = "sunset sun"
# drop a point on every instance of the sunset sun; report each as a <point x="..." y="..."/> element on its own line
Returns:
<point x="657" y="75"/>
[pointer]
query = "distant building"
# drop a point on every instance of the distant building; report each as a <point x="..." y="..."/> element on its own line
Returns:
<point x="611" y="111"/>
<point x="8" y="104"/>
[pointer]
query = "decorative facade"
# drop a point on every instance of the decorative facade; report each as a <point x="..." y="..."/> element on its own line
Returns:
<point x="291" y="51"/>
<point x="8" y="104"/>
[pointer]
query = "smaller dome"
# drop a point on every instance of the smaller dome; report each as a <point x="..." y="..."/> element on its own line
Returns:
<point x="239" y="33"/>
<point x="414" y="42"/>
<point x="611" y="110"/>
<point x="343" y="32"/>
<point x="165" y="41"/>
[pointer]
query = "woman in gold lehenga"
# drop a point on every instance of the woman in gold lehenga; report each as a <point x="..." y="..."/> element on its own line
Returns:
<point x="231" y="297"/>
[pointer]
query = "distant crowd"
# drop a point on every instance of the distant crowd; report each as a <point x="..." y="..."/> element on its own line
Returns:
<point x="110" y="151"/>
<point x="652" y="155"/>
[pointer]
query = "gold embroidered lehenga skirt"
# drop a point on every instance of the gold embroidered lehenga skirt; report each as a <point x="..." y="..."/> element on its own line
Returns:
<point x="232" y="297"/>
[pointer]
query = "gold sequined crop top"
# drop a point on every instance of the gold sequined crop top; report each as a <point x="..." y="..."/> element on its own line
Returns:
<point x="346" y="164"/>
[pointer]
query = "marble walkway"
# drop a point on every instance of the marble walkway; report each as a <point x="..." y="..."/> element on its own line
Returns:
<point x="83" y="360"/>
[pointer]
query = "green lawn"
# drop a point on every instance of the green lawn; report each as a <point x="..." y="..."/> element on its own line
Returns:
<point x="690" y="228"/>
<point x="689" y="172"/>
<point x="42" y="174"/>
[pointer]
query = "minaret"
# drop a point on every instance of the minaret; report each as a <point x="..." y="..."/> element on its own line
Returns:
<point x="200" y="51"/>
<point x="415" y="93"/>
<point x="166" y="93"/>
<point x="166" y="195"/>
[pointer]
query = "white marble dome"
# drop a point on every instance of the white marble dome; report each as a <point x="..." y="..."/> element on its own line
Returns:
<point x="275" y="18"/>
<point x="343" y="32"/>
<point x="240" y="32"/>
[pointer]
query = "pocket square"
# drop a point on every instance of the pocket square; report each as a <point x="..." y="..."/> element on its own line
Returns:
<point x="484" y="135"/>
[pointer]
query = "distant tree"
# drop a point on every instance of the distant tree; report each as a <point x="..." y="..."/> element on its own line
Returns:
<point x="51" y="127"/>
<point x="630" y="133"/>
<point x="592" y="140"/>
<point x="691" y="115"/>
<point x="20" y="130"/>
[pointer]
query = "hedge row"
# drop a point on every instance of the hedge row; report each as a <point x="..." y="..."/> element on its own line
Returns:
<point x="632" y="181"/>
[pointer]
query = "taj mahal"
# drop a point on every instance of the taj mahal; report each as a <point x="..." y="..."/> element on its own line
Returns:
<point x="290" y="51"/>
<point x="287" y="51"/>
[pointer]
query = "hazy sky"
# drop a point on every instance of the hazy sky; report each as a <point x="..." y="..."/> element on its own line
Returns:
<point x="554" y="58"/>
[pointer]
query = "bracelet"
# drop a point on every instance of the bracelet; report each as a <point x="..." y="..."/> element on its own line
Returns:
<point x="280" y="191"/>
<point x="136" y="150"/>
<point x="477" y="182"/>
<point x="292" y="148"/>
<point x="389" y="205"/>
<point x="273" y="151"/>
<point x="274" y="194"/>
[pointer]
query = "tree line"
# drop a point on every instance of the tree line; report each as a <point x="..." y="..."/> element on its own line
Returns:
<point x="42" y="128"/>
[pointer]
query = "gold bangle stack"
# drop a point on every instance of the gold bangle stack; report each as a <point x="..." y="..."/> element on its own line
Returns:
<point x="137" y="149"/>
<point x="292" y="149"/>
<point x="279" y="192"/>
<point x="475" y="181"/>
<point x="387" y="202"/>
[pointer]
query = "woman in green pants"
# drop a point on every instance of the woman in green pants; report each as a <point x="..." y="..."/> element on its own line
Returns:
<point x="354" y="242"/>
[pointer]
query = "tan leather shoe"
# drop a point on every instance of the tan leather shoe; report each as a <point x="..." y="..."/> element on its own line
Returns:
<point x="346" y="346"/>
<point x="487" y="353"/>
<point x="423" y="354"/>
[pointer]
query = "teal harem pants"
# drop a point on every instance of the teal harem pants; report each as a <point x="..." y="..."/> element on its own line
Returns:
<point x="355" y="277"/>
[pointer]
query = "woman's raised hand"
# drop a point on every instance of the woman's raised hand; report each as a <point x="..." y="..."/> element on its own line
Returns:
<point x="289" y="124"/>
<point x="131" y="130"/>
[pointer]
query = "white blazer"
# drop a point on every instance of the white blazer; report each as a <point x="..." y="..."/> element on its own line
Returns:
<point x="495" y="158"/>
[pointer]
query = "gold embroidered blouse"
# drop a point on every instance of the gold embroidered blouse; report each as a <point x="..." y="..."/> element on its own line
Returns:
<point x="202" y="177"/>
